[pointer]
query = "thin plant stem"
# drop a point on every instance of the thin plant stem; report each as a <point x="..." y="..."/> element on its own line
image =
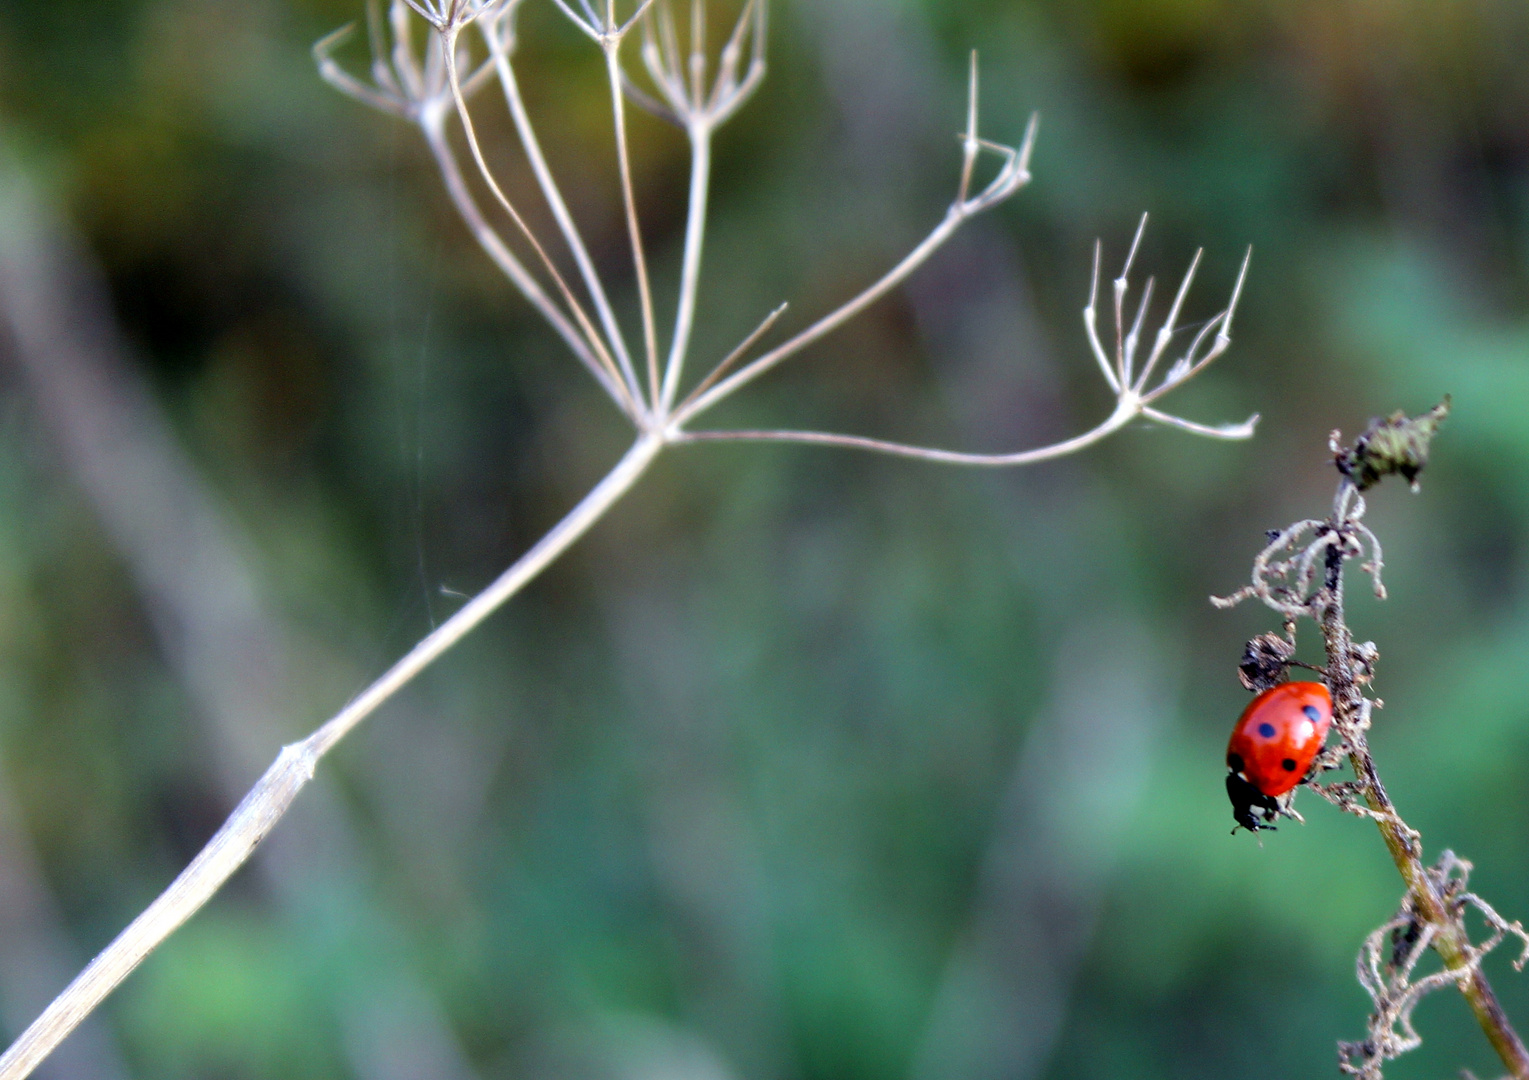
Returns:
<point x="697" y="50"/>
<point x="489" y="240"/>
<point x="526" y="131"/>
<point x="270" y="798"/>
<point x="1124" y="413"/>
<point x="830" y="322"/>
<point x="739" y="351"/>
<point x="1126" y="410"/>
<point x="1091" y="322"/>
<point x="616" y="483"/>
<point x="1121" y="285"/>
<point x="629" y="205"/>
<point x="1450" y="939"/>
<point x="690" y="270"/>
<point x="1190" y="365"/>
<point x="1165" y="332"/>
<point x="448" y="46"/>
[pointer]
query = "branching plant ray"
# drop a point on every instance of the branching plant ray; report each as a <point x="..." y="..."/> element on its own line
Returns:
<point x="430" y="86"/>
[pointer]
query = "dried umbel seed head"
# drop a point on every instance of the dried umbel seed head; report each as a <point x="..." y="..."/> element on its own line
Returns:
<point x="1265" y="662"/>
<point x="1394" y="445"/>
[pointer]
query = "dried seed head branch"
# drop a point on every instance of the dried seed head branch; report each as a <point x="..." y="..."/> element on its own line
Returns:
<point x="738" y="353"/>
<point x="427" y="88"/>
<point x="658" y="57"/>
<point x="1193" y="362"/>
<point x="1091" y="323"/>
<point x="1285" y="572"/>
<point x="1116" y="421"/>
<point x="496" y="248"/>
<point x="588" y="21"/>
<point x="1376" y="562"/>
<point x="603" y="28"/>
<point x="690" y="266"/>
<point x="1170" y="324"/>
<point x="1502" y="926"/>
<point x="699" y="111"/>
<point x="422" y="92"/>
<point x="611" y="42"/>
<point x="498" y="33"/>
<point x="585" y="325"/>
<point x="493" y="245"/>
<point x="387" y="96"/>
<point x="659" y="34"/>
<point x="404" y="84"/>
<point x="1141" y="314"/>
<point x="828" y="323"/>
<point x="1348" y="796"/>
<point x="971" y="143"/>
<point x="1228" y="432"/>
<point x="1385" y="970"/>
<point x="1013" y="174"/>
<point x="697" y="48"/>
<point x="729" y="92"/>
<point x="1119" y="369"/>
<point x="1122" y="285"/>
<point x="404" y="63"/>
<point x="1129" y="406"/>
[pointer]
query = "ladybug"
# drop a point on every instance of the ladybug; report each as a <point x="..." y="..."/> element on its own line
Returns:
<point x="1273" y="745"/>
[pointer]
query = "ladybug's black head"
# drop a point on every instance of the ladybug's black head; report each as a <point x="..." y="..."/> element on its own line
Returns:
<point x="1245" y="797"/>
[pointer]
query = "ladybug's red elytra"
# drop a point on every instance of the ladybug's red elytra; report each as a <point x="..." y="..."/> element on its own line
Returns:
<point x="1273" y="745"/>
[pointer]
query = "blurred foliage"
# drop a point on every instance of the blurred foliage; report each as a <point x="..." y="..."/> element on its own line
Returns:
<point x="727" y="790"/>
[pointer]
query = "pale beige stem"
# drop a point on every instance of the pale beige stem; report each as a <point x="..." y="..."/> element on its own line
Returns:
<point x="228" y="850"/>
<point x="634" y="228"/>
<point x="690" y="270"/>
<point x="832" y="321"/>
<point x="590" y="333"/>
<point x="1125" y="411"/>
<point x="270" y="798"/>
<point x="494" y="246"/>
<point x="529" y="142"/>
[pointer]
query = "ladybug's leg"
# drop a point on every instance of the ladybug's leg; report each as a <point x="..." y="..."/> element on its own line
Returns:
<point x="1330" y="758"/>
<point x="1286" y="804"/>
<point x="1271" y="807"/>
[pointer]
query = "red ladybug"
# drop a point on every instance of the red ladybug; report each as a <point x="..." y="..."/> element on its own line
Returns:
<point x="1273" y="746"/>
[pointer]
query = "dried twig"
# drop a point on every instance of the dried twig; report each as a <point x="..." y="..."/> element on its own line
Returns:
<point x="430" y="85"/>
<point x="1300" y="574"/>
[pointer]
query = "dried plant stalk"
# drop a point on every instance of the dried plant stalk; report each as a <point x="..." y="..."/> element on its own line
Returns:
<point x="429" y="86"/>
<point x="1433" y="910"/>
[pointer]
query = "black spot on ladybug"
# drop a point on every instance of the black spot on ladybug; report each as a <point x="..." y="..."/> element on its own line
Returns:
<point x="1288" y="764"/>
<point x="1234" y="762"/>
<point x="1266" y="730"/>
<point x="1311" y="713"/>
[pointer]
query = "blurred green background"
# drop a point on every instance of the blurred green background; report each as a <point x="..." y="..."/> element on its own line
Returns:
<point x="805" y="765"/>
